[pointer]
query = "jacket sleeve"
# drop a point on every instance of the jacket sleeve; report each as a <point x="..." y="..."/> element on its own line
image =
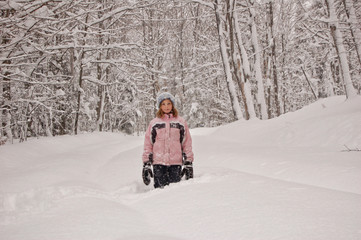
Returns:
<point x="148" y="145"/>
<point x="187" y="144"/>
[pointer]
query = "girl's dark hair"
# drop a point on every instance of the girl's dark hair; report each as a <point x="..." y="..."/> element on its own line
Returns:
<point x="160" y="113"/>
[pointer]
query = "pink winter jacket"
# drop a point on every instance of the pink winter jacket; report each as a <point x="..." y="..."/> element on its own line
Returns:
<point x="165" y="141"/>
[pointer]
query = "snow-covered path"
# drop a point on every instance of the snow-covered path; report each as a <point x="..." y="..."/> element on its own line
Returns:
<point x="286" y="178"/>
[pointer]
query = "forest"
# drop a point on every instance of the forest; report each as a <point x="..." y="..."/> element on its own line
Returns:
<point x="75" y="66"/>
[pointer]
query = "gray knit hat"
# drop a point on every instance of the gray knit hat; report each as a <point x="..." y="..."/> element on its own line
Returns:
<point x="163" y="96"/>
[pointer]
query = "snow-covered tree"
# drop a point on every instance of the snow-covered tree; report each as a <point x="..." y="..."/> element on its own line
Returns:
<point x="337" y="36"/>
<point x="78" y="66"/>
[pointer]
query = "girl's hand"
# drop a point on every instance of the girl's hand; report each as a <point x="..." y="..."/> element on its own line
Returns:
<point x="147" y="173"/>
<point x="187" y="170"/>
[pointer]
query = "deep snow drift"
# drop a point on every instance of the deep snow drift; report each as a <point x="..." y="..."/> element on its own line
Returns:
<point x="287" y="178"/>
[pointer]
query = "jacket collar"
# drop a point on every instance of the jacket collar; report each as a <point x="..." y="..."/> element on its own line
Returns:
<point x="168" y="116"/>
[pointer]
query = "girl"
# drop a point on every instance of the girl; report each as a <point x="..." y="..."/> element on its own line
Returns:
<point x="167" y="145"/>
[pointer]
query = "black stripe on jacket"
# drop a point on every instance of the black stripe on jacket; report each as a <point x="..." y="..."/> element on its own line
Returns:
<point x="154" y="131"/>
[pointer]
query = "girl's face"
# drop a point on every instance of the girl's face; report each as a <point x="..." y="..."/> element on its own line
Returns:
<point x="166" y="106"/>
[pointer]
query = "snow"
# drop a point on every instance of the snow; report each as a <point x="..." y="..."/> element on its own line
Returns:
<point x="286" y="178"/>
<point x="59" y="92"/>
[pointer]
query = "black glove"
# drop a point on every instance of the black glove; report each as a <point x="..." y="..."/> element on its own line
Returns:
<point x="187" y="170"/>
<point x="147" y="173"/>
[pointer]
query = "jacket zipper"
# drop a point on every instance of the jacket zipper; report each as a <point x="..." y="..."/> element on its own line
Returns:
<point x="168" y="139"/>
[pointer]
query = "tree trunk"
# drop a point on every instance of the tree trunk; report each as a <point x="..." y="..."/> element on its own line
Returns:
<point x="341" y="51"/>
<point x="274" y="59"/>
<point x="8" y="126"/>
<point x="80" y="92"/>
<point x="237" y="112"/>
<point x="246" y="70"/>
<point x="5" y="86"/>
<point x="100" y="108"/>
<point x="48" y="129"/>
<point x="5" y="105"/>
<point x="354" y="26"/>
<point x="80" y="82"/>
<point x="101" y="88"/>
<point x="309" y="83"/>
<point x="101" y="97"/>
<point x="235" y="62"/>
<point x="329" y="80"/>
<point x="257" y="64"/>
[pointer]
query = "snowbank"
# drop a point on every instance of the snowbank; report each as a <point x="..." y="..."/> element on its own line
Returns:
<point x="285" y="178"/>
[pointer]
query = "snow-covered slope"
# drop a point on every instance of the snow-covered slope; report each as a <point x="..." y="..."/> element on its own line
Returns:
<point x="284" y="178"/>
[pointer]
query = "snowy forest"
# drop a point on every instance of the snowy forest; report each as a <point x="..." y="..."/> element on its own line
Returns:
<point x="97" y="65"/>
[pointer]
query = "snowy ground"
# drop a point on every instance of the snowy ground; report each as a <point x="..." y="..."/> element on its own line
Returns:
<point x="286" y="178"/>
